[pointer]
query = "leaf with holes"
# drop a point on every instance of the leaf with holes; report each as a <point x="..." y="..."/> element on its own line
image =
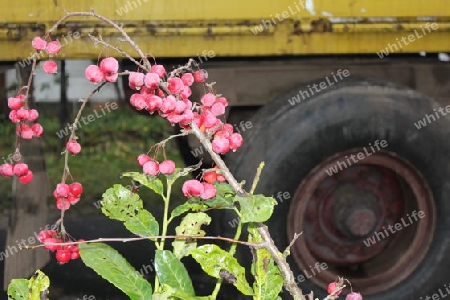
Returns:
<point x="38" y="286"/>
<point x="172" y="272"/>
<point x="18" y="289"/>
<point x="151" y="182"/>
<point x="121" y="204"/>
<point x="268" y="280"/>
<point x="189" y="226"/>
<point x="109" y="264"/>
<point x="256" y="208"/>
<point x="216" y="262"/>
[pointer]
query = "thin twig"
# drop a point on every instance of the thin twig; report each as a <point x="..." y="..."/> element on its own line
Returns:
<point x="287" y="251"/>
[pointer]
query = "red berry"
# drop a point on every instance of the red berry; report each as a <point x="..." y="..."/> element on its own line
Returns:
<point x="142" y="159"/>
<point x="50" y="67"/>
<point x="167" y="167"/>
<point x="15" y="103"/>
<point x="236" y="141"/>
<point x="136" y="79"/>
<point x="45" y="234"/>
<point x="111" y="77"/>
<point x="208" y="99"/>
<point x="354" y="296"/>
<point x="38" y="43"/>
<point x="153" y="103"/>
<point x="32" y="115"/>
<point x="20" y="169"/>
<point x="188" y="79"/>
<point x="210" y="177"/>
<point x="151" y="80"/>
<point x="53" y="47"/>
<point x="76" y="189"/>
<point x="332" y="287"/>
<point x="158" y="69"/>
<point x="13" y="116"/>
<point x="23" y="114"/>
<point x="209" y="191"/>
<point x="62" y="190"/>
<point x="176" y="85"/>
<point x="109" y="65"/>
<point x="72" y="248"/>
<point x="37" y="129"/>
<point x="62" y="201"/>
<point x="63" y="256"/>
<point x="168" y="104"/>
<point x="151" y="168"/>
<point x="222" y="100"/>
<point x="93" y="74"/>
<point x="221" y="145"/>
<point x="27" y="178"/>
<point x="138" y="101"/>
<point x="193" y="188"/>
<point x="6" y="170"/>
<point x="73" y="200"/>
<point x="25" y="131"/>
<point x="75" y="255"/>
<point x="221" y="178"/>
<point x="73" y="146"/>
<point x="51" y="240"/>
<point x="200" y="76"/>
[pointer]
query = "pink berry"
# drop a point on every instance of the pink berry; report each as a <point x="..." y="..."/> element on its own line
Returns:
<point x="218" y="109"/>
<point x="221" y="145"/>
<point x="63" y="256"/>
<point x="73" y="200"/>
<point x="168" y="104"/>
<point x="15" y="103"/>
<point x="200" y="76"/>
<point x="209" y="191"/>
<point x="76" y="188"/>
<point x="167" y="167"/>
<point x="25" y="131"/>
<point x="151" y="80"/>
<point x="111" y="77"/>
<point x="142" y="159"/>
<point x="50" y="67"/>
<point x="62" y="190"/>
<point x="20" y="169"/>
<point x="151" y="168"/>
<point x="332" y="287"/>
<point x="93" y="73"/>
<point x="236" y="141"/>
<point x="176" y="85"/>
<point x="75" y="255"/>
<point x="354" y="296"/>
<point x="208" y="99"/>
<point x="73" y="248"/>
<point x="210" y="177"/>
<point x="174" y="118"/>
<point x="37" y="129"/>
<point x="6" y="170"/>
<point x="73" y="146"/>
<point x="13" y="116"/>
<point x="109" y="65"/>
<point x="158" y="69"/>
<point x="222" y="100"/>
<point x="62" y="201"/>
<point x="45" y="234"/>
<point x="193" y="188"/>
<point x="136" y="79"/>
<point x="27" y="178"/>
<point x="33" y="115"/>
<point x="153" y="103"/>
<point x="53" y="47"/>
<point x="138" y="101"/>
<point x="23" y="114"/>
<point x="186" y="93"/>
<point x="188" y="79"/>
<point x="38" y="43"/>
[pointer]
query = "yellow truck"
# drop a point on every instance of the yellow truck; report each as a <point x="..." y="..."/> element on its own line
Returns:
<point x="344" y="100"/>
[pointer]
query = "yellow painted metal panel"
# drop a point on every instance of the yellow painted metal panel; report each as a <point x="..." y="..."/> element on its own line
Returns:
<point x="174" y="28"/>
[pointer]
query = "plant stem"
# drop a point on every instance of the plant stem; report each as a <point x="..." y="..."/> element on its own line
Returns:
<point x="166" y="214"/>
<point x="282" y="264"/>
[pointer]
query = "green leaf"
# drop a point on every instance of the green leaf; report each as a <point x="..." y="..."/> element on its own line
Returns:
<point x="268" y="280"/>
<point x="151" y="182"/>
<point x="38" y="286"/>
<point x="256" y="208"/>
<point x="121" y="204"/>
<point x="189" y="226"/>
<point x="179" y="210"/>
<point x="109" y="264"/>
<point x="168" y="293"/>
<point x="172" y="272"/>
<point x="224" y="198"/>
<point x="216" y="262"/>
<point x="18" y="289"/>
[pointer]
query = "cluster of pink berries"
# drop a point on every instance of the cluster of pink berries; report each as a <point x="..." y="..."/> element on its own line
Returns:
<point x="21" y="170"/>
<point x="67" y="194"/>
<point x="108" y="70"/>
<point x="19" y="114"/>
<point x="49" y="67"/>
<point x="195" y="188"/>
<point x="332" y="287"/>
<point x="153" y="168"/>
<point x="63" y="253"/>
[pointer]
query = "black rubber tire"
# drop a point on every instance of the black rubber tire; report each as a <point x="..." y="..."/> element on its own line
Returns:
<point x="292" y="140"/>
